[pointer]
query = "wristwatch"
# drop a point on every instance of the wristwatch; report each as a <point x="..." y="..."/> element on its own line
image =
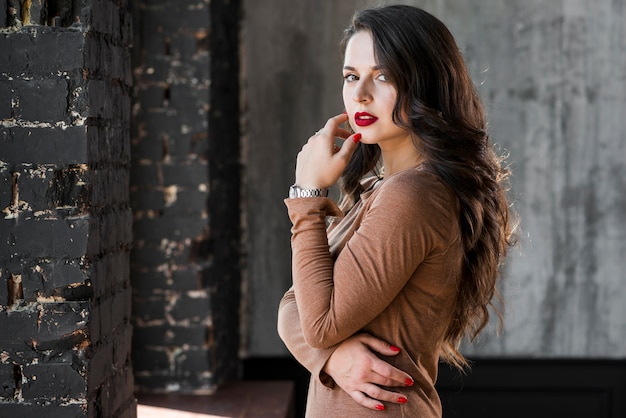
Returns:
<point x="297" y="191"/>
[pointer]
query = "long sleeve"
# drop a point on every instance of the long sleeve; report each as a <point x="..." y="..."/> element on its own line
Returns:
<point x="399" y="229"/>
<point x="290" y="331"/>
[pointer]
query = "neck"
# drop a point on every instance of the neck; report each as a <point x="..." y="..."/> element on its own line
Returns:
<point x="401" y="158"/>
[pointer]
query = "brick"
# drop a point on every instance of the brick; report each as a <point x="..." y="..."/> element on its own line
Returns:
<point x="122" y="396"/>
<point x="7" y="381"/>
<point x="36" y="52"/>
<point x="189" y="174"/>
<point x="44" y="238"/>
<point x="121" y="308"/>
<point x="115" y="267"/>
<point x="45" y="276"/>
<point x="106" y="321"/>
<point x="44" y="145"/>
<point x="147" y="199"/>
<point x="151" y="96"/>
<point x="146" y="359"/>
<point x="173" y="336"/>
<point x="4" y="293"/>
<point x="183" y="45"/>
<point x="58" y="380"/>
<point x="150" y="148"/>
<point x="62" y="326"/>
<point x="69" y="187"/>
<point x="38" y="12"/>
<point x="182" y="278"/>
<point x="148" y="306"/>
<point x="190" y="145"/>
<point x="157" y="123"/>
<point x="110" y="187"/>
<point x="174" y="229"/>
<point x="142" y="175"/>
<point x="3" y="13"/>
<point x="6" y="102"/>
<point x="191" y="361"/>
<point x="115" y="227"/>
<point x="108" y="144"/>
<point x="43" y="409"/>
<point x="122" y="346"/>
<point x="195" y="307"/>
<point x="19" y="329"/>
<point x="190" y="202"/>
<point x="6" y="185"/>
<point x="40" y="100"/>
<point x="154" y="258"/>
<point x="100" y="365"/>
<point x="34" y="185"/>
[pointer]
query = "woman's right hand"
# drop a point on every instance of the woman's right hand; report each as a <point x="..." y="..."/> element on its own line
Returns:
<point x="360" y="373"/>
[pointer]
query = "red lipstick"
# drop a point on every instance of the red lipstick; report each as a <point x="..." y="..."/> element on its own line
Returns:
<point x="364" y="118"/>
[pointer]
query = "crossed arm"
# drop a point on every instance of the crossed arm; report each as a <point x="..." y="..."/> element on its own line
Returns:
<point x="352" y="364"/>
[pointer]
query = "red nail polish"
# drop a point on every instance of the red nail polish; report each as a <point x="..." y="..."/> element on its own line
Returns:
<point x="380" y="407"/>
<point x="344" y="112"/>
<point x="402" y="399"/>
<point x="394" y="348"/>
<point x="356" y="138"/>
<point x="409" y="382"/>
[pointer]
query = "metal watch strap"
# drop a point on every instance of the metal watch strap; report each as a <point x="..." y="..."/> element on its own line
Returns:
<point x="296" y="191"/>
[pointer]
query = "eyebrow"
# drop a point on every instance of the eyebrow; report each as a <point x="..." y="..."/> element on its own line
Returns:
<point x="374" y="68"/>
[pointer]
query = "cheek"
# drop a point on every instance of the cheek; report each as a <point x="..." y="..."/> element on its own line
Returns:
<point x="346" y="98"/>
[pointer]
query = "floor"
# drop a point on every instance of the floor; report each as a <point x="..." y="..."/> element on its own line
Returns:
<point x="236" y="400"/>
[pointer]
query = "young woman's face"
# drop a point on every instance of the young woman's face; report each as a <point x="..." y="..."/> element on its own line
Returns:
<point x="368" y="97"/>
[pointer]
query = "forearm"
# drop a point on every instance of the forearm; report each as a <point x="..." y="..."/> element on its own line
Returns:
<point x="290" y="331"/>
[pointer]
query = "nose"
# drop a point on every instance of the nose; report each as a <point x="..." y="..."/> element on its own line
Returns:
<point x="362" y="93"/>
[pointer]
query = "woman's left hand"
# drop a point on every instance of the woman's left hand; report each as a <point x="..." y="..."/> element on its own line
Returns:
<point x="321" y="162"/>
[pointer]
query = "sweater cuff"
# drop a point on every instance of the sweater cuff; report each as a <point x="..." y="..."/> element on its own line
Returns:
<point x="307" y="206"/>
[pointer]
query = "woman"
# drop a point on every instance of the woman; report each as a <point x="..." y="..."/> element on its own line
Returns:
<point x="410" y="256"/>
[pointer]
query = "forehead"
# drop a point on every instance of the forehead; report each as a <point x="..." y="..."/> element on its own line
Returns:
<point x="360" y="50"/>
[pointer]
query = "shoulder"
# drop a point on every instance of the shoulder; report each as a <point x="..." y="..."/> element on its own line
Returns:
<point x="417" y="183"/>
<point x="419" y="191"/>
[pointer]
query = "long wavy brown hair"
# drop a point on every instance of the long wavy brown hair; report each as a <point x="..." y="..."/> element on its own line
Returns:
<point x="446" y="118"/>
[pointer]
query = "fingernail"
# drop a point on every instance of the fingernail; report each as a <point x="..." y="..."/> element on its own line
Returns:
<point x="356" y="138"/>
<point x="380" y="407"/>
<point x="344" y="112"/>
<point x="402" y="399"/>
<point x="394" y="348"/>
<point x="409" y="382"/>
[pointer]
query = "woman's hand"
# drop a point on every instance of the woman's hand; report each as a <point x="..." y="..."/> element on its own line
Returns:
<point x="360" y="373"/>
<point x="321" y="162"/>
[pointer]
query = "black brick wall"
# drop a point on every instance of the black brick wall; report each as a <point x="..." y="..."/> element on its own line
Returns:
<point x="65" y="221"/>
<point x="185" y="186"/>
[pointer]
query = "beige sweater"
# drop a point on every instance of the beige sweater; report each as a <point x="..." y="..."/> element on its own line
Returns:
<point x="390" y="267"/>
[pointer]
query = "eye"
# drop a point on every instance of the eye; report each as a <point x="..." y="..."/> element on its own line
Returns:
<point x="382" y="77"/>
<point x="350" y="77"/>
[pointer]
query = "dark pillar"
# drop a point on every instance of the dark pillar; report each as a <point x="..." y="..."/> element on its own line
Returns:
<point x="65" y="220"/>
<point x="185" y="195"/>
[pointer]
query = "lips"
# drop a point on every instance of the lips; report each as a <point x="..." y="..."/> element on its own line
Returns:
<point x="364" y="118"/>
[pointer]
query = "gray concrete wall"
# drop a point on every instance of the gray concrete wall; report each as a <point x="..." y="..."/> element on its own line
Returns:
<point x="553" y="75"/>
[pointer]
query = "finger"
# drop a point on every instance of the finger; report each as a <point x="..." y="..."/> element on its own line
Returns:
<point x="342" y="133"/>
<point x="389" y="375"/>
<point x="348" y="147"/>
<point x="378" y="393"/>
<point x="360" y="398"/>
<point x="378" y="345"/>
<point x="333" y="123"/>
